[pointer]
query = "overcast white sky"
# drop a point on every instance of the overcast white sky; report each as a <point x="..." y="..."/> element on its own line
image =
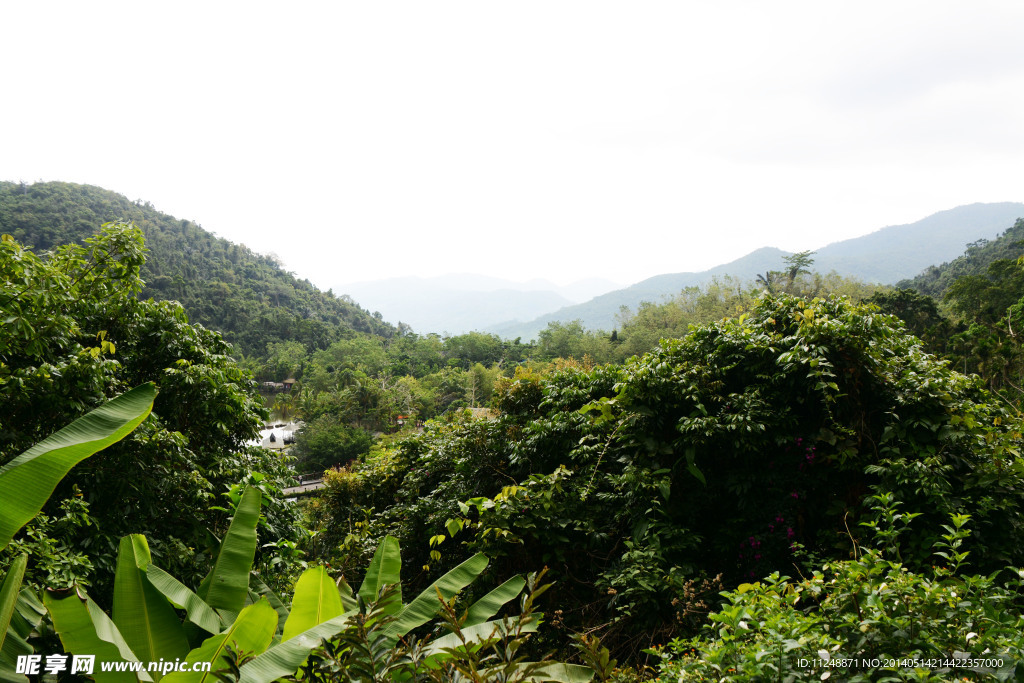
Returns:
<point x="549" y="139"/>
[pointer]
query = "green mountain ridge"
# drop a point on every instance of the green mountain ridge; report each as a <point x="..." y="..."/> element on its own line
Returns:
<point x="223" y="286"/>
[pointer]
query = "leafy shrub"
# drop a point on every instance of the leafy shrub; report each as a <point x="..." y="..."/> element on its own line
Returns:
<point x="862" y="620"/>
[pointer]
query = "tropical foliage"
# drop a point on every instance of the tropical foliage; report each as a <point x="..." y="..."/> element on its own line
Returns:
<point x="743" y="448"/>
<point x="74" y="335"/>
<point x="25" y="484"/>
<point x="671" y="477"/>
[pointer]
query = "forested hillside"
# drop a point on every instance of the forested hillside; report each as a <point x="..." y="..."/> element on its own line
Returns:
<point x="936" y="279"/>
<point x="227" y="287"/>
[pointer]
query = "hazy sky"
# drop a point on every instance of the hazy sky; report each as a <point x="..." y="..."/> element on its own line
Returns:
<point x="520" y="139"/>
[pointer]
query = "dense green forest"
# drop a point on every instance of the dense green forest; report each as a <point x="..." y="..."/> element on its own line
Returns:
<point x="746" y="482"/>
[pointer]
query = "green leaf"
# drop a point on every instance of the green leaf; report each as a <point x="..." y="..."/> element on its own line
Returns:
<point x="142" y="614"/>
<point x="562" y="673"/>
<point x="198" y="612"/>
<point x="9" y="593"/>
<point x="28" y="614"/>
<point x="316" y="600"/>
<point x="487" y="606"/>
<point x="228" y="583"/>
<point x="85" y="630"/>
<point x="258" y="588"/>
<point x="384" y="570"/>
<point x="285" y="658"/>
<point x="453" y="525"/>
<point x="252" y="631"/>
<point x="691" y="466"/>
<point x="27" y="481"/>
<point x="348" y="602"/>
<point x="425" y="606"/>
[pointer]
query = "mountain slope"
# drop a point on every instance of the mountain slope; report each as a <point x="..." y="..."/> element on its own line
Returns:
<point x="902" y="251"/>
<point x="934" y="280"/>
<point x="886" y="256"/>
<point x="223" y="286"/>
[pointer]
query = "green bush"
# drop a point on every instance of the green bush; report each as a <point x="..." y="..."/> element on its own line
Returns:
<point x="866" y="619"/>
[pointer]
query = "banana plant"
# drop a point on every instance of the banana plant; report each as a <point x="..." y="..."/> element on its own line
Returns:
<point x="322" y="609"/>
<point x="145" y="626"/>
<point x="28" y="481"/>
<point x="234" y="612"/>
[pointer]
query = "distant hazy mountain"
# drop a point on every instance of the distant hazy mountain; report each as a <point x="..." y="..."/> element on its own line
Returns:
<point x="458" y="303"/>
<point x="902" y="251"/>
<point x="600" y="312"/>
<point x="886" y="256"/>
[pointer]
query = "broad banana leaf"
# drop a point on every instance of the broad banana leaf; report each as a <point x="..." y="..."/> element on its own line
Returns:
<point x="425" y="606"/>
<point x="559" y="672"/>
<point x="316" y="600"/>
<point x="487" y="606"/>
<point x="385" y="569"/>
<point x="9" y="594"/>
<point x="257" y="589"/>
<point x="27" y="481"/>
<point x="142" y="614"/>
<point x="228" y="582"/>
<point x="84" y="629"/>
<point x="347" y="601"/>
<point x="25" y="618"/>
<point x="28" y="614"/>
<point x="285" y="658"/>
<point x="197" y="611"/>
<point x="251" y="632"/>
